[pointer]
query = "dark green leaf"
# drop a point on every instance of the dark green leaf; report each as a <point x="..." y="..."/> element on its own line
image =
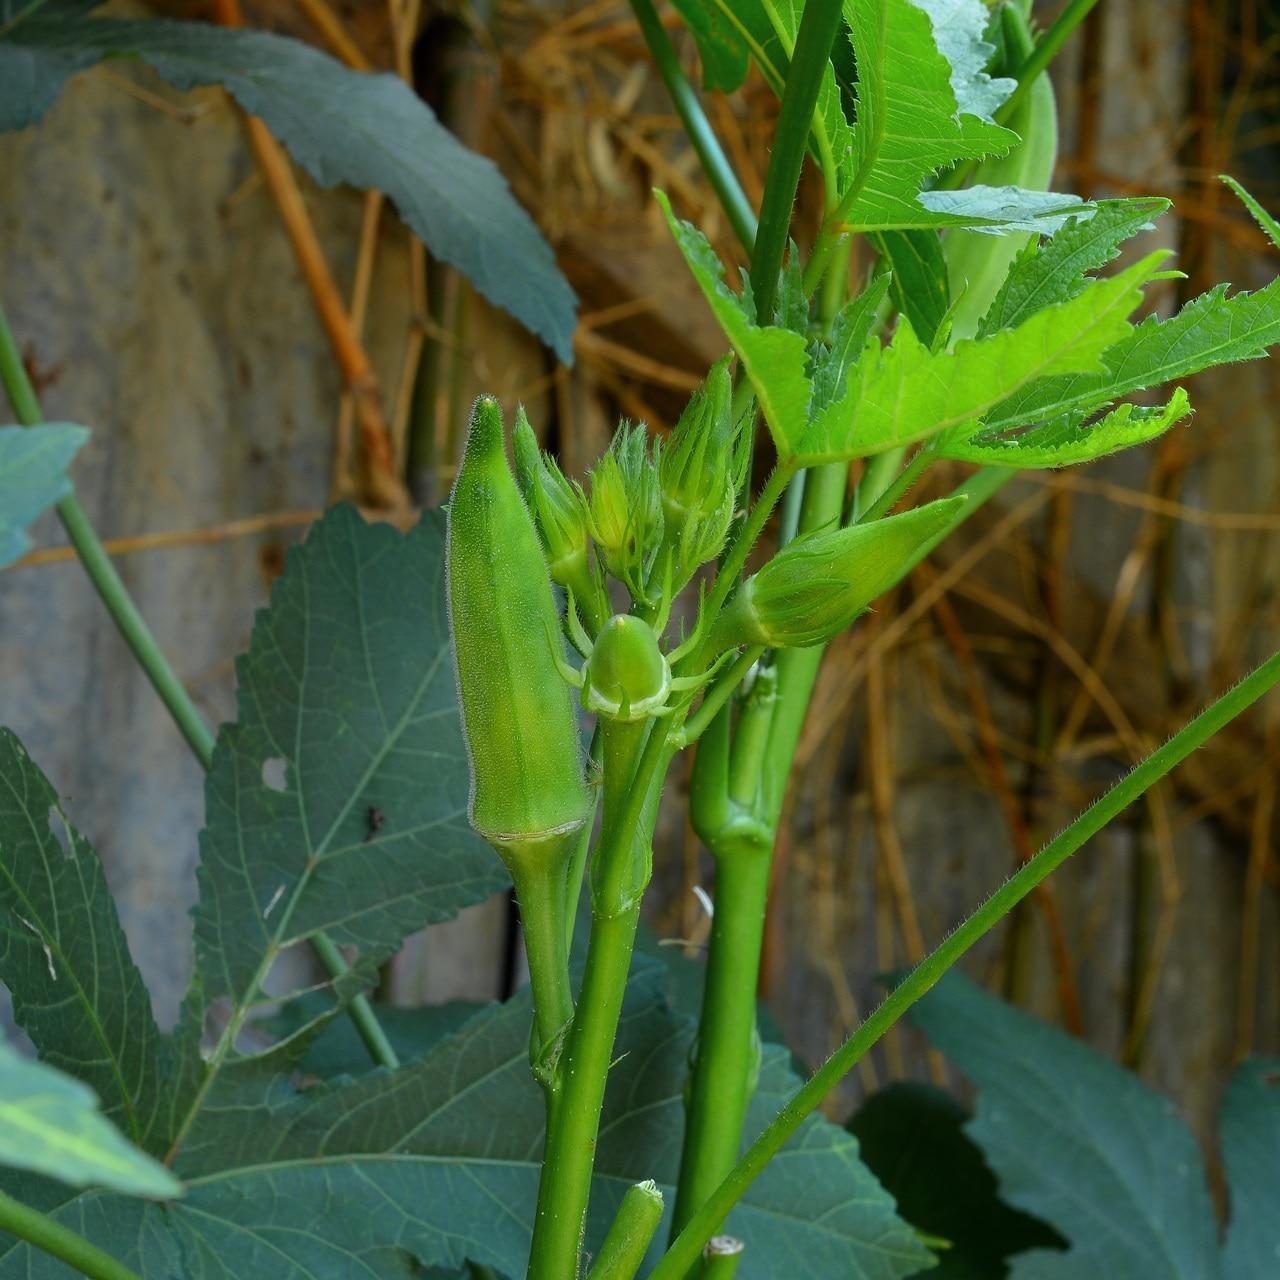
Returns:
<point x="64" y="958"/>
<point x="724" y="49"/>
<point x="1077" y="1142"/>
<point x="33" y="476"/>
<point x="337" y="802"/>
<point x="919" y="278"/>
<point x="1251" y="1153"/>
<point x="441" y="1157"/>
<point x="342" y="126"/>
<point x="912" y="1140"/>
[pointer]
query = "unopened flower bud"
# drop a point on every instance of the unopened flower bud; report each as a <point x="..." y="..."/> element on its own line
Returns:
<point x="626" y="508"/>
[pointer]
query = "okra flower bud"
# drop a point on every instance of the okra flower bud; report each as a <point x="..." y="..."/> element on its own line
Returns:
<point x="517" y="713"/>
<point x="814" y="587"/>
<point x="626" y="676"/>
<point x="626" y="508"/>
<point x="559" y="510"/>
<point x="698" y="481"/>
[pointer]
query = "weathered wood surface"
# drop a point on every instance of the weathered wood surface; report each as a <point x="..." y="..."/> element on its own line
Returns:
<point x="146" y="272"/>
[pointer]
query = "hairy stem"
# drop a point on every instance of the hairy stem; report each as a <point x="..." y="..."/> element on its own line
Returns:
<point x="52" y="1237"/>
<point x="627" y="1241"/>
<point x="684" y="1252"/>
<point x="155" y="666"/>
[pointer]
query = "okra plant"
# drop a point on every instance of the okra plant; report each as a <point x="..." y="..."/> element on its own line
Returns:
<point x="677" y="599"/>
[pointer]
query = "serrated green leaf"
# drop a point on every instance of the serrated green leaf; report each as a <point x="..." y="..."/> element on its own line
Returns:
<point x="773" y="359"/>
<point x="368" y="130"/>
<point x="33" y="476"/>
<point x="1251" y="1153"/>
<point x="1211" y="330"/>
<point x="912" y="1139"/>
<point x="725" y="55"/>
<point x="64" y="959"/>
<point x="851" y="330"/>
<point x="441" y="1158"/>
<point x="1268" y="224"/>
<point x="51" y="1124"/>
<point x="959" y="28"/>
<point x="1068" y="440"/>
<point x="1057" y="269"/>
<point x="1077" y="1142"/>
<point x="918" y="283"/>
<point x="906" y="393"/>
<point x="910" y="124"/>
<point x="347" y="706"/>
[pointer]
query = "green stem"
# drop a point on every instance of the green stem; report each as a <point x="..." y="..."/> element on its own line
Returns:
<point x="684" y="1252"/>
<point x="720" y="1258"/>
<point x="818" y="26"/>
<point x="627" y="1241"/>
<point x="719" y="693"/>
<point x="720" y="1087"/>
<point x="137" y="635"/>
<point x="569" y="1155"/>
<point x="42" y="1231"/>
<point x="715" y="164"/>
<point x="1046" y="49"/>
<point x="898" y="489"/>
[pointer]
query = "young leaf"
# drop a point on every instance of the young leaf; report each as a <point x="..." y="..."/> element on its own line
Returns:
<point x="910" y="123"/>
<point x="442" y="1158"/>
<point x="337" y="802"/>
<point x="1078" y="1142"/>
<point x="774" y="359"/>
<point x="1251" y="1152"/>
<point x="1067" y="440"/>
<point x="1057" y="269"/>
<point x="33" y="476"/>
<point x="1268" y="224"/>
<point x="63" y="956"/>
<point x="850" y="333"/>
<point x="912" y="1139"/>
<point x="906" y="393"/>
<point x="371" y="131"/>
<point x="50" y="1124"/>
<point x="1211" y="330"/>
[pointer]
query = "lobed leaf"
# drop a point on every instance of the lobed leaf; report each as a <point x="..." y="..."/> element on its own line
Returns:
<point x="906" y="393"/>
<point x="1068" y="440"/>
<point x="33" y="476"/>
<point x="64" y="958"/>
<point x="442" y="1158"/>
<point x="51" y="1124"/>
<point x="1078" y="1142"/>
<point x="1251" y="1153"/>
<point x="369" y="130"/>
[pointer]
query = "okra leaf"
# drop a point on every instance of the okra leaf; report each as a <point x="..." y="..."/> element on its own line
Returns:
<point x="337" y="801"/>
<point x="442" y="1158"/>
<point x="910" y="122"/>
<point x="1213" y="329"/>
<point x="1268" y="224"/>
<point x="718" y="31"/>
<point x="905" y="392"/>
<point x="33" y="476"/>
<point x="1251" y="1152"/>
<point x="1001" y="210"/>
<point x="1057" y="269"/>
<point x="852" y="329"/>
<point x="1077" y="1142"/>
<point x="959" y="30"/>
<point x="913" y="1140"/>
<point x="774" y="359"/>
<point x="918" y="278"/>
<point x="1068" y="440"/>
<point x="368" y="130"/>
<point x="64" y="959"/>
<point x="50" y="1123"/>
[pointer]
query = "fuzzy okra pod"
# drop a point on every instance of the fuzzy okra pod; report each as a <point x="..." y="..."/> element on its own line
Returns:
<point x="529" y="797"/>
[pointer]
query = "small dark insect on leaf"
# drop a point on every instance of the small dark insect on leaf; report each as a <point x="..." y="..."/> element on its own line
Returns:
<point x="373" y="820"/>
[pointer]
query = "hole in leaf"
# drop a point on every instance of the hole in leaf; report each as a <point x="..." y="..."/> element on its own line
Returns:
<point x="273" y="773"/>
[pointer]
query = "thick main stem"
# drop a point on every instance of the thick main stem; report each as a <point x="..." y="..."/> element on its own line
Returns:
<point x="684" y="1252"/>
<point x="155" y="666"/>
<point x="42" y="1231"/>
<point x="719" y="1091"/>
